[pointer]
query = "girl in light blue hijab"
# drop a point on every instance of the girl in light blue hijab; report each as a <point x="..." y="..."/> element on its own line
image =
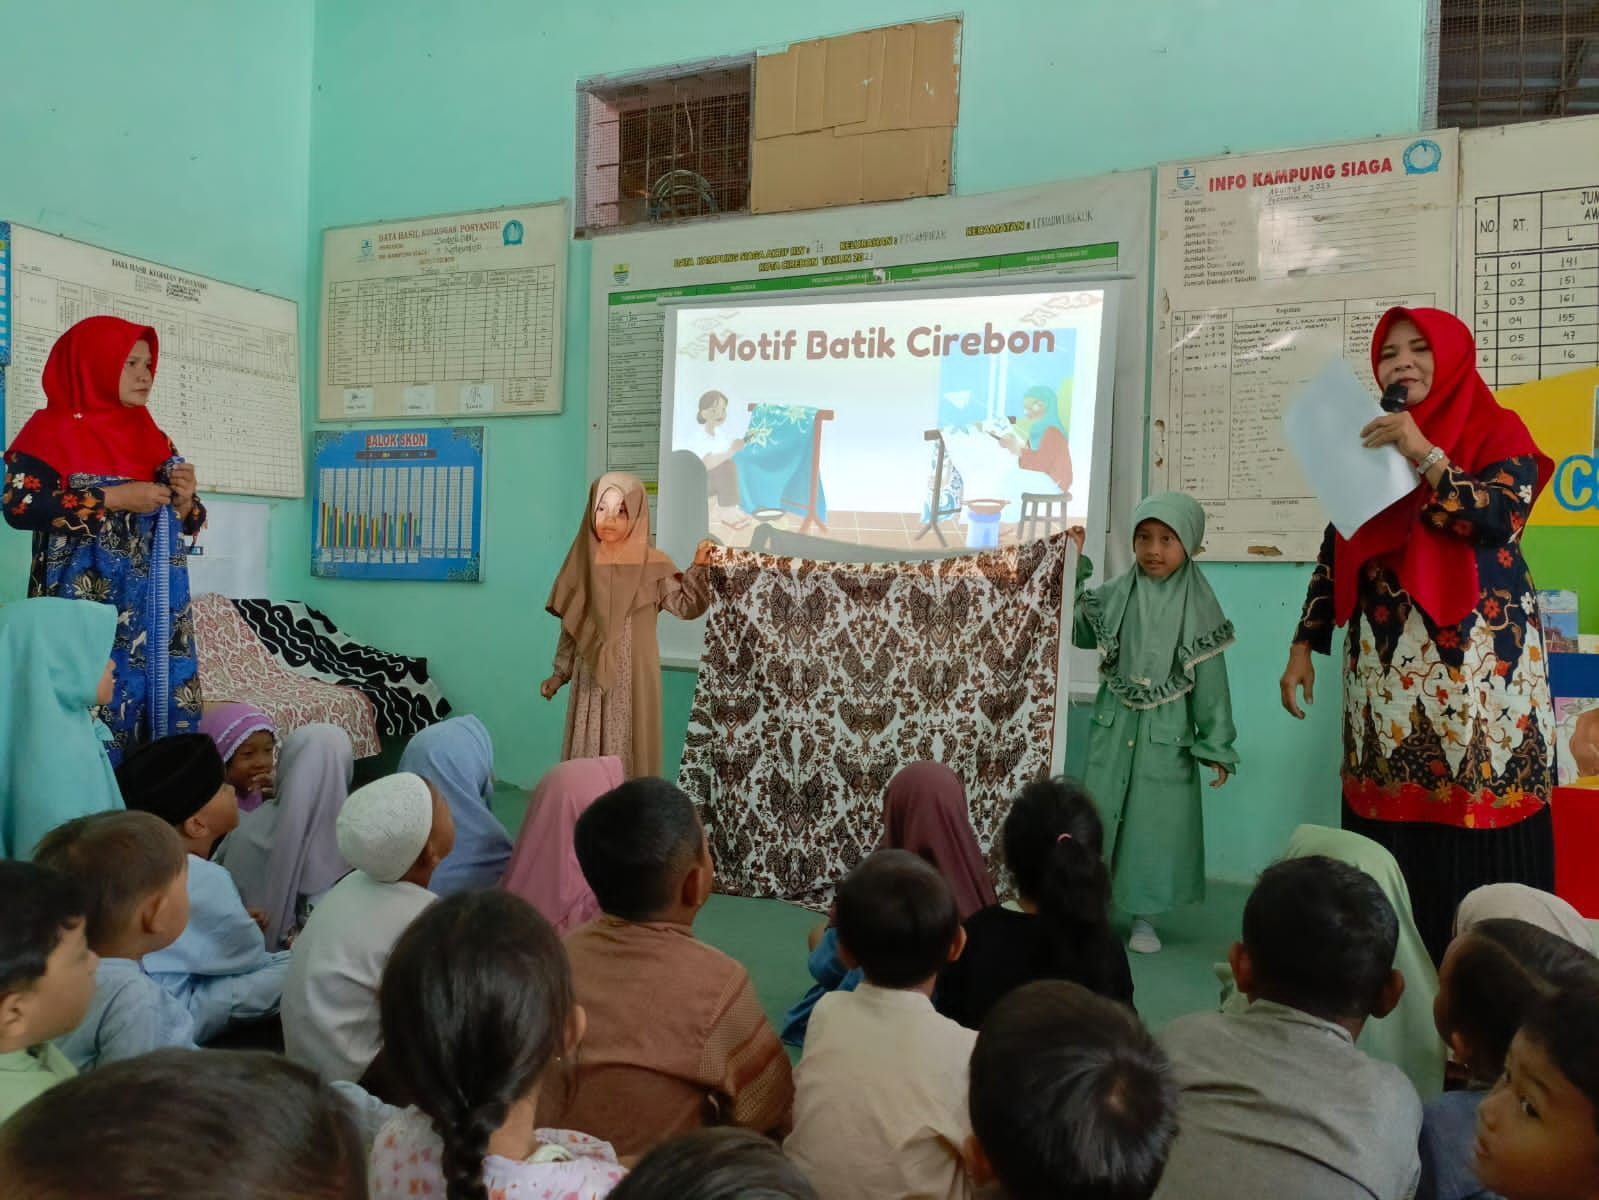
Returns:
<point x="55" y="660"/>
<point x="457" y="757"/>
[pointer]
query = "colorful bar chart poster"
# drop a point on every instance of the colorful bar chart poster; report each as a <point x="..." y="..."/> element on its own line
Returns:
<point x="401" y="504"/>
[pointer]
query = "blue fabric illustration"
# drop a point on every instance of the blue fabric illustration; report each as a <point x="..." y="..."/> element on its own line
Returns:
<point x="774" y="467"/>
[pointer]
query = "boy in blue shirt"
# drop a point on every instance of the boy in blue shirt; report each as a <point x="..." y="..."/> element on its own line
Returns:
<point x="46" y="978"/>
<point x="133" y="872"/>
<point x="220" y="968"/>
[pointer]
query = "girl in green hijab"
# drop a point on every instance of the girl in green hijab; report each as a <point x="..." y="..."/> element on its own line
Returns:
<point x="1163" y="710"/>
<point x="55" y="660"/>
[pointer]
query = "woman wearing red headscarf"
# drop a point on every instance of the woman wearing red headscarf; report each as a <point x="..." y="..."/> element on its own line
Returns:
<point x="106" y="498"/>
<point x="1447" y="718"/>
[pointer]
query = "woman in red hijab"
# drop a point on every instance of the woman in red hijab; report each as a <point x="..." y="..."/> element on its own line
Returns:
<point x="1448" y="722"/>
<point x="107" y="498"/>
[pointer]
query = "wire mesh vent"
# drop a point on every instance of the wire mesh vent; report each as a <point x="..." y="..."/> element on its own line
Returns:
<point x="1503" y="61"/>
<point x="662" y="149"/>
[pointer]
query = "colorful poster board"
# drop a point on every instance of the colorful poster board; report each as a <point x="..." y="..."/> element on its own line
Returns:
<point x="1562" y="414"/>
<point x="399" y="504"/>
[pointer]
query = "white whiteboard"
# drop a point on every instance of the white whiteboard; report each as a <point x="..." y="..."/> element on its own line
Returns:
<point x="447" y="316"/>
<point x="230" y="557"/>
<point x="1267" y="266"/>
<point x="227" y="386"/>
<point x="869" y="462"/>
<point x="1529" y="247"/>
<point x="1093" y="228"/>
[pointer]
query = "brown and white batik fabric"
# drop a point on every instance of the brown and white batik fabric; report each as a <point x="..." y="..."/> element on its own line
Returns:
<point x="820" y="680"/>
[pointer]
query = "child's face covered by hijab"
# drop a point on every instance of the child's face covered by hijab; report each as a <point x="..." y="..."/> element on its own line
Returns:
<point x="1158" y="549"/>
<point x="107" y="690"/>
<point x="611" y="517"/>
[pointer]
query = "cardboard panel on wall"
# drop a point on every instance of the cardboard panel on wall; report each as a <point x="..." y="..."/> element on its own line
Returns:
<point x="868" y="116"/>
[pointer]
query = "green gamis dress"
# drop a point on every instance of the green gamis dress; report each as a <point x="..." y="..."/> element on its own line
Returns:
<point x="1163" y="709"/>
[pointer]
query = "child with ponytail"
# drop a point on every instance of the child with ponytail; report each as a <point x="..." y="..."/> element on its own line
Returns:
<point x="478" y="1014"/>
<point x="1058" y="927"/>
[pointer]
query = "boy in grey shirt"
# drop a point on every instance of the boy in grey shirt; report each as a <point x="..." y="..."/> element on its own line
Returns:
<point x="1276" y="1100"/>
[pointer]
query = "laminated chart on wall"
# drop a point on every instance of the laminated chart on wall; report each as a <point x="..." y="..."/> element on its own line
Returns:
<point x="1529" y="248"/>
<point x="1267" y="266"/>
<point x="445" y="316"/>
<point x="227" y="386"/>
<point x="5" y="295"/>
<point x="1095" y="228"/>
<point x="399" y="504"/>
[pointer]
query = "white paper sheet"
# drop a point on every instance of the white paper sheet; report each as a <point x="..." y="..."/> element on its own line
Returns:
<point x="1322" y="428"/>
<point x="1265" y="266"/>
<point x="232" y="551"/>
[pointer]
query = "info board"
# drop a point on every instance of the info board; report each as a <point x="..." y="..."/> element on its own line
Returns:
<point x="1529" y="248"/>
<point x="399" y="504"/>
<point x="1093" y="229"/>
<point x="227" y="384"/>
<point x="1267" y="266"/>
<point x="445" y="316"/>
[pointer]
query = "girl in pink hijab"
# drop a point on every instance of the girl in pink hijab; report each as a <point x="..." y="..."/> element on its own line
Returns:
<point x="544" y="869"/>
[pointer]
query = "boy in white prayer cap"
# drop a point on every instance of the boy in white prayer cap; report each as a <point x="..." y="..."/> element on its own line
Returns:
<point x="394" y="832"/>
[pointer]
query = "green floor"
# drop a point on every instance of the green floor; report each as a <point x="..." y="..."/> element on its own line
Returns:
<point x="768" y="937"/>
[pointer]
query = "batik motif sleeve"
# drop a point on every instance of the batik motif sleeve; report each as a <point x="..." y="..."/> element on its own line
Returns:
<point x="195" y="521"/>
<point x="36" y="499"/>
<point x="1486" y="509"/>
<point x="1317" y="620"/>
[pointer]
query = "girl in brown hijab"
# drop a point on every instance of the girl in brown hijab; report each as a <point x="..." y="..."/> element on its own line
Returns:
<point x="612" y="575"/>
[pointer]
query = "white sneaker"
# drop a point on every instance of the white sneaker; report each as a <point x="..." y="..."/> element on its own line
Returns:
<point x="1143" y="939"/>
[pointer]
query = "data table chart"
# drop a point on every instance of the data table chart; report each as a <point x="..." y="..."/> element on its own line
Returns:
<point x="1536" y="307"/>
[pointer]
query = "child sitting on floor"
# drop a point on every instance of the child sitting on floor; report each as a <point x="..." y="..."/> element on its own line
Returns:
<point x="925" y="812"/>
<point x="1058" y="927"/>
<point x="393" y="832"/>
<point x="284" y="856"/>
<point x="1538" y="1130"/>
<point x="1069" y="1096"/>
<point x="247" y="741"/>
<point x="225" y="1123"/>
<point x="715" y="1164"/>
<point x="1276" y="1100"/>
<point x="879" y="1097"/>
<point x="134" y="874"/>
<point x="1492" y="976"/>
<point x="219" y="967"/>
<point x="46" y="978"/>
<point x="1163" y="710"/>
<point x="456" y="756"/>
<point x="478" y="1014"/>
<point x="676" y="1037"/>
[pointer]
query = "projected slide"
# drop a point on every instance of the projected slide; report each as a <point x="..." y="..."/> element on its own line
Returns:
<point x="903" y="422"/>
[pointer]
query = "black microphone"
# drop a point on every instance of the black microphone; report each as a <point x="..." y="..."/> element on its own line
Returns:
<point x="1394" y="399"/>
